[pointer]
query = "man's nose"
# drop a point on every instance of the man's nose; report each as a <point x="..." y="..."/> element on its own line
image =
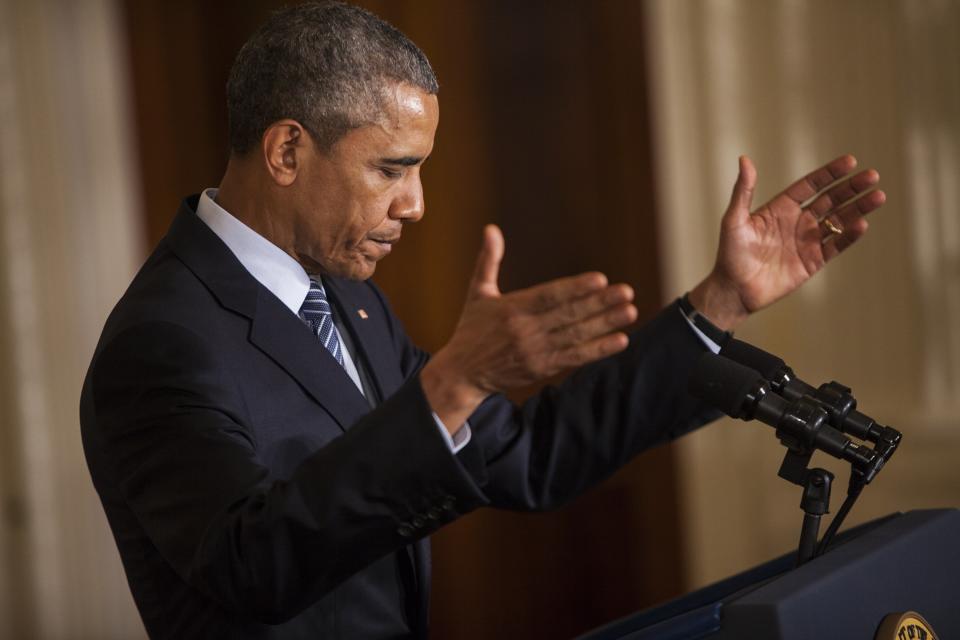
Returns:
<point x="409" y="205"/>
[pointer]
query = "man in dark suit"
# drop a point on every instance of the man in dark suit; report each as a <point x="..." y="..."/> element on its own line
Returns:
<point x="270" y="448"/>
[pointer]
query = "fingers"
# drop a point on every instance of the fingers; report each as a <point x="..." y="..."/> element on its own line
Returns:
<point x="850" y="219"/>
<point x="742" y="197"/>
<point x="586" y="352"/>
<point x="838" y="210"/>
<point x="593" y="326"/>
<point x="549" y="295"/>
<point x="835" y="245"/>
<point x="487" y="269"/>
<point x="574" y="331"/>
<point x="578" y="309"/>
<point x="843" y="193"/>
<point x="813" y="183"/>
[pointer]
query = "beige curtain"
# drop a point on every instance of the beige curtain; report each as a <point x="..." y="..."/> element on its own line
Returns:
<point x="793" y="83"/>
<point x="70" y="239"/>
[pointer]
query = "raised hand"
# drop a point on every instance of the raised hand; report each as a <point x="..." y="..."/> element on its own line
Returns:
<point x="505" y="341"/>
<point x="766" y="254"/>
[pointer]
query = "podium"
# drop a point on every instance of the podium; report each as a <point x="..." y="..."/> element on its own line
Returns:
<point x="903" y="562"/>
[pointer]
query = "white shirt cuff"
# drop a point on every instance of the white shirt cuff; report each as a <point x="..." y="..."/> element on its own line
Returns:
<point x="710" y="344"/>
<point x="459" y="439"/>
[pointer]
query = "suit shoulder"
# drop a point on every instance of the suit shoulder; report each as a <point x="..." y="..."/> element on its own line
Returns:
<point x="165" y="290"/>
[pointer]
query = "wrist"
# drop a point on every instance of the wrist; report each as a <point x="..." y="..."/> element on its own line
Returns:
<point x="451" y="397"/>
<point x="719" y="302"/>
<point x="716" y="337"/>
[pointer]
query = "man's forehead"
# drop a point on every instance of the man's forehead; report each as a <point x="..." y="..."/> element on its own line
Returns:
<point x="403" y="135"/>
<point x="404" y="103"/>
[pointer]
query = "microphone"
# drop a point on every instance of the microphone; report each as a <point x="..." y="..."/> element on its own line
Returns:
<point x="833" y="396"/>
<point x="802" y="423"/>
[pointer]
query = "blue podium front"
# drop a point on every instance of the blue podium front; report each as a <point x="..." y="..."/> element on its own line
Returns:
<point x="904" y="562"/>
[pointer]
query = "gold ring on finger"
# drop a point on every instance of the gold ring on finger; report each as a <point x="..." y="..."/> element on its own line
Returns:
<point x="833" y="228"/>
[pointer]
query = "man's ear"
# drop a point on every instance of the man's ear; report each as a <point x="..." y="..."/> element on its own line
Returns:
<point x="285" y="143"/>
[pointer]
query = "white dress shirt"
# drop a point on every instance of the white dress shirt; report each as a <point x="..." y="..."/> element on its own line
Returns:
<point x="285" y="278"/>
<point x="707" y="342"/>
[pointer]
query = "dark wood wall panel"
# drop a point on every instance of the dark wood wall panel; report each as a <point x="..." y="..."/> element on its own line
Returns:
<point x="544" y="130"/>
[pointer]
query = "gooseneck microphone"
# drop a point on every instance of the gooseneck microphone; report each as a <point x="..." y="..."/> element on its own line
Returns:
<point x="835" y="398"/>
<point x="802" y="423"/>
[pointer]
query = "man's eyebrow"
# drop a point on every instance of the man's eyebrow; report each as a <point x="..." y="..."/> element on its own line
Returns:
<point x="406" y="161"/>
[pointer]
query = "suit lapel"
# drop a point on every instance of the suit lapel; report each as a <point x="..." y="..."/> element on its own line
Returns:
<point x="274" y="330"/>
<point x="283" y="337"/>
<point x="370" y="339"/>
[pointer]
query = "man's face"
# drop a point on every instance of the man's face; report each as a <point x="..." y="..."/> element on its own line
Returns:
<point x="353" y="199"/>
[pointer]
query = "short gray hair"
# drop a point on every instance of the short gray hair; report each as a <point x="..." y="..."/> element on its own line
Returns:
<point x="326" y="65"/>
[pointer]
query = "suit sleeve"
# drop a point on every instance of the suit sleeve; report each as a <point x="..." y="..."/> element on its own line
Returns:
<point x="172" y="430"/>
<point x="569" y="437"/>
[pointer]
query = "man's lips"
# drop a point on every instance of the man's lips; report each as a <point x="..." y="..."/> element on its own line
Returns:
<point x="385" y="244"/>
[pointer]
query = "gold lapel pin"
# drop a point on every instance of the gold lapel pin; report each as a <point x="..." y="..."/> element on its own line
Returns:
<point x="362" y="314"/>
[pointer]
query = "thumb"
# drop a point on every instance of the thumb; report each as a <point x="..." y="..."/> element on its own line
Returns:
<point x="742" y="197"/>
<point x="484" y="281"/>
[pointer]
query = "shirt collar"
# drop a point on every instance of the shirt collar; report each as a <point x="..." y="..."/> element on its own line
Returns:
<point x="271" y="266"/>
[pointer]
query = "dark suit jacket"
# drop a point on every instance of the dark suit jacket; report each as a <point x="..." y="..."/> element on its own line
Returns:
<point x="252" y="491"/>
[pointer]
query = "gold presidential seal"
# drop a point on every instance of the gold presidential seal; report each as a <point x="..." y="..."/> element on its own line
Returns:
<point x="905" y="626"/>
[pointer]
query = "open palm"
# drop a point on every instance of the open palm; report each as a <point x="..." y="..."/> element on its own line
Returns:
<point x="766" y="254"/>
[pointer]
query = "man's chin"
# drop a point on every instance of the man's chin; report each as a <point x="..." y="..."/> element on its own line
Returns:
<point x="360" y="270"/>
<point x="355" y="267"/>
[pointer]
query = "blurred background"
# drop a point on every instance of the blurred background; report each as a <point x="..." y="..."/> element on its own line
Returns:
<point x="600" y="134"/>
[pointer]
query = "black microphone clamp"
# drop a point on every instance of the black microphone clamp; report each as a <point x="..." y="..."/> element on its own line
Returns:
<point x="802" y="424"/>
<point x="835" y="398"/>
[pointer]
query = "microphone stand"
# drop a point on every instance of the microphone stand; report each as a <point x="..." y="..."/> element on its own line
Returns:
<point x="815" y="502"/>
<point x="817" y="483"/>
<point x="806" y="420"/>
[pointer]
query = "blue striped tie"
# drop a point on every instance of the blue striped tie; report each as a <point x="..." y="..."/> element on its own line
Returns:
<point x="317" y="314"/>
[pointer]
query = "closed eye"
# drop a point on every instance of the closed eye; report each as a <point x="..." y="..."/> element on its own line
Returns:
<point x="390" y="174"/>
<point x="393" y="168"/>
